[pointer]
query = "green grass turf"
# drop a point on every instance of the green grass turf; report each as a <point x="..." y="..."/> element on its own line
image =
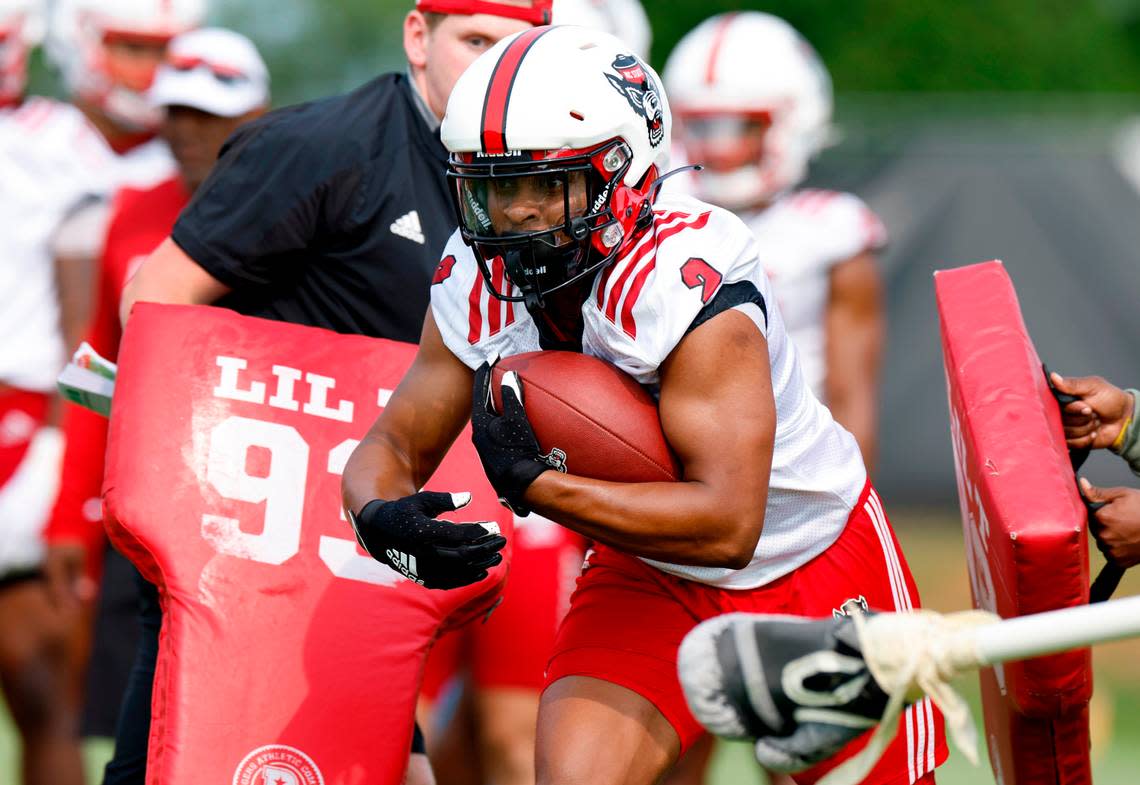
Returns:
<point x="933" y="544"/>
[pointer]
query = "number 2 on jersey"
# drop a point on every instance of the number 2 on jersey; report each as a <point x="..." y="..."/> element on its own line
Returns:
<point x="698" y="273"/>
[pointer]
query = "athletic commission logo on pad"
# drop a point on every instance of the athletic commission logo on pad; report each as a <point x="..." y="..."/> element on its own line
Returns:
<point x="276" y="764"/>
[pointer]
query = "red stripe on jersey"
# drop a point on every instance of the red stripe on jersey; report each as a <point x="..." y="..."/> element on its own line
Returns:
<point x="627" y="322"/>
<point x="633" y="260"/>
<point x="814" y="201"/>
<point x="498" y="98"/>
<point x="717" y="44"/>
<point x="699" y="222"/>
<point x="875" y="233"/>
<point x="603" y="281"/>
<point x="494" y="304"/>
<point x="803" y="200"/>
<point x="35" y="113"/>
<point x="474" y="314"/>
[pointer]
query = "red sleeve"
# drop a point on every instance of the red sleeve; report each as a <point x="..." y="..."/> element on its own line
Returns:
<point x="77" y="514"/>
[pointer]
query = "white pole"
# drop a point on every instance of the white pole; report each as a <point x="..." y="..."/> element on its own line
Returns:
<point x="1053" y="631"/>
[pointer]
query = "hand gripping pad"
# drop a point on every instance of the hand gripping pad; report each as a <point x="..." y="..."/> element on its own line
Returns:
<point x="285" y="652"/>
<point x="1023" y="521"/>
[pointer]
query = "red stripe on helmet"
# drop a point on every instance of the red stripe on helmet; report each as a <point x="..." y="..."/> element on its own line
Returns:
<point x="719" y="35"/>
<point x="494" y="125"/>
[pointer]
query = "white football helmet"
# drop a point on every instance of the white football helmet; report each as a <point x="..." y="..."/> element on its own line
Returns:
<point x="21" y="26"/>
<point x="753" y="103"/>
<point x="76" y="44"/>
<point x="557" y="136"/>
<point x="625" y="19"/>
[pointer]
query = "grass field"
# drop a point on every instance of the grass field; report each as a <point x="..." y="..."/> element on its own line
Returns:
<point x="933" y="543"/>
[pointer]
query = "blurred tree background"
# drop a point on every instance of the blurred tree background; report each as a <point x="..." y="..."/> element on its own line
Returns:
<point x="316" y="47"/>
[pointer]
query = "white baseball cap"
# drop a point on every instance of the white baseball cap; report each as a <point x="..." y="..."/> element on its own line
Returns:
<point x="217" y="71"/>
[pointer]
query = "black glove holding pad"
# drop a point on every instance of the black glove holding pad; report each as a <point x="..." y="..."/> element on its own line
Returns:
<point x="437" y="554"/>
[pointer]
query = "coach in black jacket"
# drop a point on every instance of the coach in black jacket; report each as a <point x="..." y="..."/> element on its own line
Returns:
<point x="332" y="214"/>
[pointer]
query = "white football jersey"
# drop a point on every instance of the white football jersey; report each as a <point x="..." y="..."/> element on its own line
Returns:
<point x="52" y="158"/>
<point x="801" y="237"/>
<point x="640" y="308"/>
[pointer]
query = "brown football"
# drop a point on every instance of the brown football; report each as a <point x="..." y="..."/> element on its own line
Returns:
<point x="604" y="421"/>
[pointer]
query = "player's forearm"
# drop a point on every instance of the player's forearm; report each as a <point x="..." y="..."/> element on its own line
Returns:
<point x="170" y="276"/>
<point x="679" y="522"/>
<point x="377" y="469"/>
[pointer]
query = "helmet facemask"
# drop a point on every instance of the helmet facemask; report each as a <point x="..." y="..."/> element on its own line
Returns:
<point x="549" y="216"/>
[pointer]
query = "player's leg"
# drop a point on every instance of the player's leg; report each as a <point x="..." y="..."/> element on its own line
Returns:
<point x="613" y="711"/>
<point x="37" y="673"/>
<point x="41" y="648"/>
<point x="865" y="568"/>
<point x="594" y="732"/>
<point x="419" y="767"/>
<point x="505" y="723"/>
<point x="511" y="648"/>
<point x="691" y="768"/>
<point x="445" y="711"/>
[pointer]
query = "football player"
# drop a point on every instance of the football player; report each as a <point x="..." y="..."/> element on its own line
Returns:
<point x="559" y="137"/>
<point x="753" y="104"/>
<point x="211" y="82"/>
<point x="55" y="156"/>
<point x="493" y="670"/>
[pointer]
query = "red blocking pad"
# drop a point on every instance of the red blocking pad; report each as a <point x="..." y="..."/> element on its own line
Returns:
<point x="286" y="653"/>
<point x="1023" y="521"/>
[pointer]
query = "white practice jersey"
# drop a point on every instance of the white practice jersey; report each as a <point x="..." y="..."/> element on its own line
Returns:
<point x="801" y="237"/>
<point x="52" y="158"/>
<point x="696" y="260"/>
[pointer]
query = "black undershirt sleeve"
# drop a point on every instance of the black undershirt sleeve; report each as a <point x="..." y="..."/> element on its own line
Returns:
<point x="728" y="297"/>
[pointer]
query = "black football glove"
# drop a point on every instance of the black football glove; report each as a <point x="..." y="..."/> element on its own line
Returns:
<point x="506" y="443"/>
<point x="437" y="554"/>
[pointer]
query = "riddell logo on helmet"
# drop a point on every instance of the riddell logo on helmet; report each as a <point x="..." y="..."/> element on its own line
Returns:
<point x="638" y="87"/>
<point x="277" y="764"/>
<point x="603" y="198"/>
